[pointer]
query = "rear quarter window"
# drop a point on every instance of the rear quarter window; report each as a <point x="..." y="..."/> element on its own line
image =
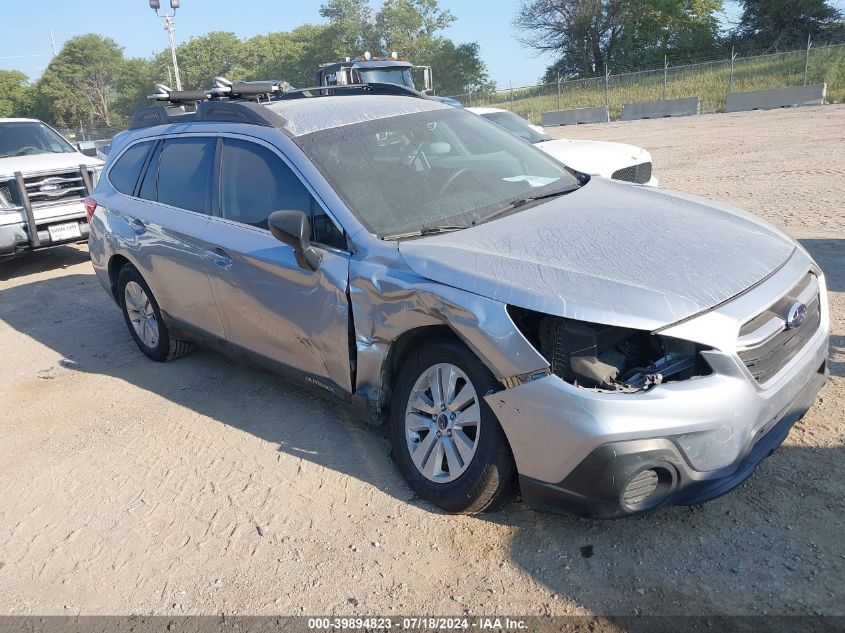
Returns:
<point x="124" y="175"/>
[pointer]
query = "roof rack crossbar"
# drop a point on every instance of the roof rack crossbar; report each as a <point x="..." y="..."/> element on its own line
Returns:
<point x="219" y="111"/>
<point x="239" y="102"/>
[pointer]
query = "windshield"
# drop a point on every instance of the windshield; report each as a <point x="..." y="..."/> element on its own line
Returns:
<point x="399" y="76"/>
<point x="517" y="125"/>
<point x="440" y="168"/>
<point x="29" y="137"/>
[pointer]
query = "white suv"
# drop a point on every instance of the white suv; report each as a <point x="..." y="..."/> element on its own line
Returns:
<point x="43" y="182"/>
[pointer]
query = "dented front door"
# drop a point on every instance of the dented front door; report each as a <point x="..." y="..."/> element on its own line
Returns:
<point x="270" y="305"/>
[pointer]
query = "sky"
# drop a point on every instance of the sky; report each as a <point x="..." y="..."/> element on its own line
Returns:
<point x="25" y="29"/>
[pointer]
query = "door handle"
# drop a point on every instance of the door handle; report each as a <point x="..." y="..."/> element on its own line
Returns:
<point x="137" y="226"/>
<point x="220" y="257"/>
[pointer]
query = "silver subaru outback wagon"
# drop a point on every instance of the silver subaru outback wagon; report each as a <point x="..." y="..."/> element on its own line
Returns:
<point x="607" y="348"/>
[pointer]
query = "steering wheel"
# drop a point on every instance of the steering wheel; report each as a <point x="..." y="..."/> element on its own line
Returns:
<point x="463" y="171"/>
<point x="23" y="151"/>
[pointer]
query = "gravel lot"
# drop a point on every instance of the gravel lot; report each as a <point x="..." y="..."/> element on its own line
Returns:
<point x="205" y="486"/>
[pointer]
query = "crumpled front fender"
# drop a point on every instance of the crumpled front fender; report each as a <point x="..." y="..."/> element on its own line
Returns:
<point x="387" y="303"/>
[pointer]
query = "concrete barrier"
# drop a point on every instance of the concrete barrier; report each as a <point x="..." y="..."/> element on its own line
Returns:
<point x="660" y="109"/>
<point x="580" y="115"/>
<point x="777" y="98"/>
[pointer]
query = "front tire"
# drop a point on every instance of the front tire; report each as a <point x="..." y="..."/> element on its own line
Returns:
<point x="143" y="318"/>
<point x="446" y="440"/>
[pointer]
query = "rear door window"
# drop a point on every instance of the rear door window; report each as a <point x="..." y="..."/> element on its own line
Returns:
<point x="185" y="173"/>
<point x="124" y="175"/>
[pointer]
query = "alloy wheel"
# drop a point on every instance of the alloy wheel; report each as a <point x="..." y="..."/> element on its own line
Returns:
<point x="141" y="314"/>
<point x="442" y="423"/>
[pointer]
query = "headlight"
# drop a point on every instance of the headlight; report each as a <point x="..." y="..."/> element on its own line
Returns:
<point x="608" y="358"/>
<point x="7" y="196"/>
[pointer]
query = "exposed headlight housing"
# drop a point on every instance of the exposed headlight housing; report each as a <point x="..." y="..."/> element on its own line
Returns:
<point x="609" y="358"/>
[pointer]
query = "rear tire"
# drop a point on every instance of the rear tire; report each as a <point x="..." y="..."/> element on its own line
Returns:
<point x="446" y="440"/>
<point x="143" y="318"/>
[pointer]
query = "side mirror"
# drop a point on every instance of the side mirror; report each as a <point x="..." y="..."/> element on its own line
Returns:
<point x="294" y="229"/>
<point x="87" y="148"/>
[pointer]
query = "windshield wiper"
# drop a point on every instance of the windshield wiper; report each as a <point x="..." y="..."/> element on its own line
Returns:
<point x="521" y="202"/>
<point x="428" y="230"/>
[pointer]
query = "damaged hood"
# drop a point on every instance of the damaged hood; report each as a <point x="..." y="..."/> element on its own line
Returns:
<point x="608" y="253"/>
<point x="597" y="158"/>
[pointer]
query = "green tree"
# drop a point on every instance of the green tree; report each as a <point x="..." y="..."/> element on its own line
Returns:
<point x="686" y="30"/>
<point x="216" y="54"/>
<point x="786" y="23"/>
<point x="79" y="84"/>
<point x="457" y="68"/>
<point x="290" y="56"/>
<point x="589" y="35"/>
<point x="132" y="83"/>
<point x="15" y="93"/>
<point x="411" y="28"/>
<point x="350" y="30"/>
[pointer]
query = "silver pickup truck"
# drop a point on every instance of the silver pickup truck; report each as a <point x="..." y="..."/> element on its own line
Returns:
<point x="43" y="182"/>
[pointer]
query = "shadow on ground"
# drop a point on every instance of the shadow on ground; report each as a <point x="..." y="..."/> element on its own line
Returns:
<point x="830" y="255"/>
<point x="771" y="544"/>
<point x="42" y="261"/>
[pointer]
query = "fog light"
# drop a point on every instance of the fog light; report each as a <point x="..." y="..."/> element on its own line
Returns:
<point x="641" y="486"/>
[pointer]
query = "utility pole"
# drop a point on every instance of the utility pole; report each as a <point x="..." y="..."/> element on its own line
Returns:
<point x="53" y="42"/>
<point x="167" y="23"/>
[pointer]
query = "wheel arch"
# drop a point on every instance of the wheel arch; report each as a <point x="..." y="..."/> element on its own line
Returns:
<point x="400" y="349"/>
<point x="116" y="263"/>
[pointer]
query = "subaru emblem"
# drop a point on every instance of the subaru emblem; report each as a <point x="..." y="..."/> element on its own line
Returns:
<point x="797" y="315"/>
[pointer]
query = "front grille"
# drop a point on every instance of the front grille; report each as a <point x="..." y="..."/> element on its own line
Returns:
<point x="767" y="343"/>
<point x="47" y="189"/>
<point x="639" y="174"/>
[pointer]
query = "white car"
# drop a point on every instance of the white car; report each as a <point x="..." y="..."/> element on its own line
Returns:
<point x="597" y="158"/>
<point x="43" y="181"/>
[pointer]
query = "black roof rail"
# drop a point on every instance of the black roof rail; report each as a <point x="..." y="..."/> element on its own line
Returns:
<point x="349" y="89"/>
<point x="220" y="111"/>
<point x="240" y="102"/>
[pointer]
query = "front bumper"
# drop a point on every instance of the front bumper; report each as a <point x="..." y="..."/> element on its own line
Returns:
<point x="15" y="235"/>
<point x="576" y="449"/>
<point x="596" y="488"/>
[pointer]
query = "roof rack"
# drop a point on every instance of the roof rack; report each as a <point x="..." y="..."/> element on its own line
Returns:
<point x="240" y="101"/>
<point x="223" y="89"/>
<point x="220" y="111"/>
<point x="350" y="89"/>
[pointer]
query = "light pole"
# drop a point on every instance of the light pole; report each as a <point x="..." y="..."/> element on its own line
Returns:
<point x="167" y="22"/>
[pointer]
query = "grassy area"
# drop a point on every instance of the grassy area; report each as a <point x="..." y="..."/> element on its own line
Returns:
<point x="710" y="81"/>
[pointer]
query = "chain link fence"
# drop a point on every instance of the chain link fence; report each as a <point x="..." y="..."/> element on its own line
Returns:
<point x="711" y="81"/>
<point x="86" y="133"/>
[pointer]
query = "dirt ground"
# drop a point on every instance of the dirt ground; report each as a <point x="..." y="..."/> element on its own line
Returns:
<point x="205" y="486"/>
